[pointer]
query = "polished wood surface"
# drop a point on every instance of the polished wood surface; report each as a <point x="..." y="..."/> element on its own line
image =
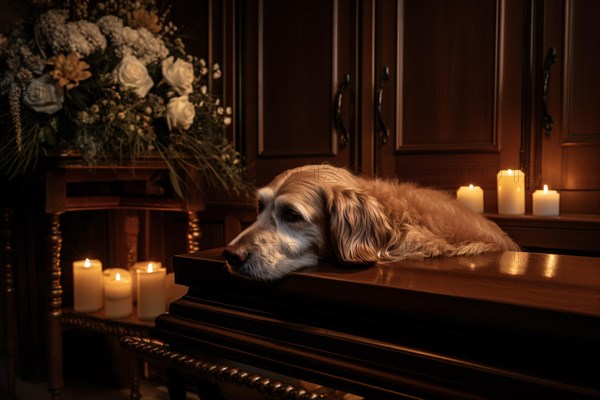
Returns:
<point x="513" y="324"/>
<point x="533" y="280"/>
<point x="568" y="232"/>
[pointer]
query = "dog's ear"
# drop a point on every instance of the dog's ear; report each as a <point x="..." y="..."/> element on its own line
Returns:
<point x="359" y="228"/>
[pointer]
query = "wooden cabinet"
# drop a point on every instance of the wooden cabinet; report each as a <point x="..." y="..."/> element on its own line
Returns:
<point x="440" y="92"/>
<point x="461" y="98"/>
<point x="566" y="153"/>
<point x="434" y="94"/>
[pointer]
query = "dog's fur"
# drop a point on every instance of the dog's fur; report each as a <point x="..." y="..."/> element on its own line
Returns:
<point x="319" y="211"/>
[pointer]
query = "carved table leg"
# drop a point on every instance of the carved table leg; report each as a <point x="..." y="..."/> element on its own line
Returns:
<point x="54" y="311"/>
<point x="193" y="232"/>
<point x="135" y="378"/>
<point x="9" y="312"/>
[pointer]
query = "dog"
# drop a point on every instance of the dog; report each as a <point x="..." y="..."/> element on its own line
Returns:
<point x="323" y="212"/>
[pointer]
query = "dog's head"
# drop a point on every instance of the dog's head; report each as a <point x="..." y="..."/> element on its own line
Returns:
<point x="307" y="213"/>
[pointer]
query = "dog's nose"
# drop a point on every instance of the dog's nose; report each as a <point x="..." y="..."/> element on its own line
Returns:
<point x="235" y="256"/>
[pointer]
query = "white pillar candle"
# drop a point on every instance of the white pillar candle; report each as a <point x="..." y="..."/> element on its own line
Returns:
<point x="471" y="196"/>
<point x="174" y="290"/>
<point x="143" y="265"/>
<point x="151" y="297"/>
<point x="511" y="192"/>
<point x="118" y="301"/>
<point x="546" y="202"/>
<point x="87" y="285"/>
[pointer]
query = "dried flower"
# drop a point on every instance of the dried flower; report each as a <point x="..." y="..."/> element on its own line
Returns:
<point x="141" y="18"/>
<point x="69" y="70"/>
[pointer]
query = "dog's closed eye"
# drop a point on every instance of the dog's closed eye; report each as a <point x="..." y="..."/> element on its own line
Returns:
<point x="290" y="215"/>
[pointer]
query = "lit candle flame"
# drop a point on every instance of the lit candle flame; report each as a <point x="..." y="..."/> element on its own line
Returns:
<point x="87" y="263"/>
<point x="545" y="189"/>
<point x="471" y="186"/>
<point x="509" y="172"/>
<point x="149" y="267"/>
<point x="118" y="277"/>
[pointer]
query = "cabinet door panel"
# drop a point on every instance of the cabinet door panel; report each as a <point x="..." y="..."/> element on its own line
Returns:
<point x="296" y="54"/>
<point x="454" y="99"/>
<point x="570" y="156"/>
<point x="449" y="76"/>
<point x="581" y="110"/>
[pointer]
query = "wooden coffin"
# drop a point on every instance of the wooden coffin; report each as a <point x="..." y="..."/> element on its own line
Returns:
<point x="510" y="325"/>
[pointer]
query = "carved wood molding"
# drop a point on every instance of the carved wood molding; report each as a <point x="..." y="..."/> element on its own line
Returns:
<point x="157" y="351"/>
<point x="105" y="326"/>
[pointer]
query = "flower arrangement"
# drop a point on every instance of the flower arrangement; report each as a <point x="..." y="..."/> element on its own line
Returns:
<point x="113" y="83"/>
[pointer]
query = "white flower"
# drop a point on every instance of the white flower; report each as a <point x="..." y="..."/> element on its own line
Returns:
<point x="131" y="73"/>
<point x="43" y="95"/>
<point x="81" y="37"/>
<point x="109" y="24"/>
<point x="141" y="43"/>
<point x="180" y="113"/>
<point x="179" y="74"/>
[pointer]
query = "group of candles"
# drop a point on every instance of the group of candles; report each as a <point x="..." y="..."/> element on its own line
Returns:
<point x="116" y="289"/>
<point x="511" y="196"/>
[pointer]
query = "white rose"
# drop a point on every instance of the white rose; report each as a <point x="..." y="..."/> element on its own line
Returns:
<point x="44" y="95"/>
<point x="180" y="113"/>
<point x="179" y="74"/>
<point x="131" y="73"/>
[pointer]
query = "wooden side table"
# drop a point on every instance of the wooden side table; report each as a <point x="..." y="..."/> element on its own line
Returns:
<point x="70" y="186"/>
<point x="121" y="327"/>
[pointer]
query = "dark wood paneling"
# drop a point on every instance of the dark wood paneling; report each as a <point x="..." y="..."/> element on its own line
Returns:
<point x="581" y="166"/>
<point x="295" y="91"/>
<point x="295" y="56"/>
<point x="449" y="82"/>
<point x="453" y="98"/>
<point x="582" y="79"/>
<point x="570" y="154"/>
<point x="581" y="96"/>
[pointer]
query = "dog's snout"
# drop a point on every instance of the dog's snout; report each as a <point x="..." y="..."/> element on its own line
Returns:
<point x="235" y="256"/>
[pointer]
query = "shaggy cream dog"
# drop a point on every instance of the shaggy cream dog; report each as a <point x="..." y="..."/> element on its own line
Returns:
<point x="319" y="211"/>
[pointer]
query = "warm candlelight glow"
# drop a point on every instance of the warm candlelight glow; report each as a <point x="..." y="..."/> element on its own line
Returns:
<point x="142" y="266"/>
<point x="87" y="285"/>
<point x="151" y="291"/>
<point x="471" y="196"/>
<point x="118" y="302"/>
<point x="511" y="192"/>
<point x="546" y="202"/>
